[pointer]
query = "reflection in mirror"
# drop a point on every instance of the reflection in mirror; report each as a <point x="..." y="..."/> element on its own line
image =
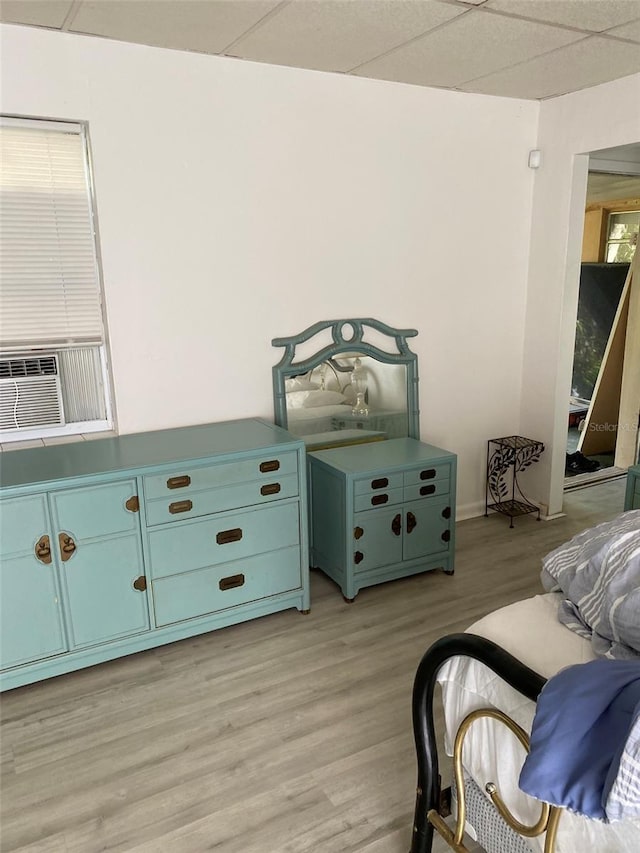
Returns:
<point x="350" y="390"/>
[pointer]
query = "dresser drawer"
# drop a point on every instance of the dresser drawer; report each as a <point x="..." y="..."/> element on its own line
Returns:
<point x="179" y="507"/>
<point x="233" y="536"/>
<point x="208" y="590"/>
<point x="378" y="483"/>
<point x="426" y="489"/>
<point x="182" y="481"/>
<point x="385" y="497"/>
<point x="427" y="474"/>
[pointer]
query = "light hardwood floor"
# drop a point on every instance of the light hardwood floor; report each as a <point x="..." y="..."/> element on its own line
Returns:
<point x="287" y="734"/>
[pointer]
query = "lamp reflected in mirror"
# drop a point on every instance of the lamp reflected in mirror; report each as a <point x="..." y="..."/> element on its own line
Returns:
<point x="359" y="382"/>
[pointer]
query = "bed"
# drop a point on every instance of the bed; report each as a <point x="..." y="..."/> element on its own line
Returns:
<point x="502" y="663"/>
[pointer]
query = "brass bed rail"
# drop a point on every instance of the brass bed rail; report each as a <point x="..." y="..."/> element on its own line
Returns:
<point x="428" y="792"/>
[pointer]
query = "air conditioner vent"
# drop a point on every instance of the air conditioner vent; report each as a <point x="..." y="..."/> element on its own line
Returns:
<point x="30" y="392"/>
<point x="42" y="365"/>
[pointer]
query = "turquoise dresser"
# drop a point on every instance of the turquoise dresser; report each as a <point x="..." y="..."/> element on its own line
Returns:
<point x="632" y="496"/>
<point x="111" y="546"/>
<point x="381" y="511"/>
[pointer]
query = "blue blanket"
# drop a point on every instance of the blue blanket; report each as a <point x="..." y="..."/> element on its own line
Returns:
<point x="585" y="741"/>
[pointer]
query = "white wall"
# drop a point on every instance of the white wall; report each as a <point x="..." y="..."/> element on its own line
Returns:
<point x="238" y="202"/>
<point x="570" y="127"/>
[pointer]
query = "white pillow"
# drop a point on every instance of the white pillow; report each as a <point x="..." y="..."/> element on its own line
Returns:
<point x="299" y="383"/>
<point x="323" y="398"/>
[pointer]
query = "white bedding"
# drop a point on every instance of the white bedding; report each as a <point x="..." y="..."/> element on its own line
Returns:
<point x="530" y="631"/>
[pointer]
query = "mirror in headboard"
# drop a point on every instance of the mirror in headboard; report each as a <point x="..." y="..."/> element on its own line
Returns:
<point x="347" y="381"/>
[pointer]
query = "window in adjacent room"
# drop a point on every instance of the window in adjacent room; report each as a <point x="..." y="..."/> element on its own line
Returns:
<point x="53" y="373"/>
<point x="622" y="236"/>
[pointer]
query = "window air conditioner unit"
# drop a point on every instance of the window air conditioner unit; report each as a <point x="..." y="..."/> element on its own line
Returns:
<point x="30" y="393"/>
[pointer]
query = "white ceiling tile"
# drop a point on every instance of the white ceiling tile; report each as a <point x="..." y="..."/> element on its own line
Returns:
<point x="586" y="63"/>
<point x="334" y="35"/>
<point x="591" y="15"/>
<point x="471" y="46"/>
<point x="44" y="13"/>
<point x="181" y="24"/>
<point x="627" y="31"/>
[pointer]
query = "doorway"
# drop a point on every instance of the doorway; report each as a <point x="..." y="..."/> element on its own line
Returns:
<point x="596" y="404"/>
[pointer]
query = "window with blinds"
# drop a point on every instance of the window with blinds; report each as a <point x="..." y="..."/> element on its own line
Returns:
<point x="53" y="376"/>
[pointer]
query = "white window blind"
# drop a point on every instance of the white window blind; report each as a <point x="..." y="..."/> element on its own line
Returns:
<point x="49" y="286"/>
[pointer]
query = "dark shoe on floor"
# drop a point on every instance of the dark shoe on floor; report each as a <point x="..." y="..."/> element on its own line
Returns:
<point x="577" y="463"/>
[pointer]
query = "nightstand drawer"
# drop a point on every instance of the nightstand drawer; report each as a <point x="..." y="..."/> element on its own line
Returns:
<point x="377" y="483"/>
<point x="427" y="489"/>
<point x="179" y="507"/>
<point x="427" y="474"/>
<point x="182" y="481"/>
<point x="208" y="590"/>
<point x="386" y="497"/>
<point x="184" y="547"/>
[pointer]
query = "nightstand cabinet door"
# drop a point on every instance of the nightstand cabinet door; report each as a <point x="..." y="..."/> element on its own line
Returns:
<point x="377" y="538"/>
<point x="31" y="626"/>
<point x="426" y="530"/>
<point x="99" y="549"/>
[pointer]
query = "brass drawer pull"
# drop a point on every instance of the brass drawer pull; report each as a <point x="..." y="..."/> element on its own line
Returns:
<point x="358" y="532"/>
<point x="179" y="482"/>
<point x="270" y="489"/>
<point x="67" y="546"/>
<point x="180" y="506"/>
<point x="358" y="557"/>
<point x="446" y="536"/>
<point x="428" y="474"/>
<point x="42" y="549"/>
<point x="376" y="500"/>
<point x="396" y="524"/>
<point x="133" y="504"/>
<point x="380" y="483"/>
<point x="427" y="490"/>
<point x="271" y="465"/>
<point x="411" y="522"/>
<point x="226" y="536"/>
<point x="446" y="512"/>
<point x="140" y="583"/>
<point x="232" y="582"/>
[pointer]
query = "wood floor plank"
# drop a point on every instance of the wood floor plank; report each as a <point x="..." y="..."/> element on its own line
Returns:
<point x="288" y="734"/>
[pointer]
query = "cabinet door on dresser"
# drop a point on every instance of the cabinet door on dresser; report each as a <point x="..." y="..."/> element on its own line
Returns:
<point x="31" y="625"/>
<point x="98" y="544"/>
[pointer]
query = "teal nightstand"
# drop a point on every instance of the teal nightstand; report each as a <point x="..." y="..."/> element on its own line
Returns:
<point x="381" y="511"/>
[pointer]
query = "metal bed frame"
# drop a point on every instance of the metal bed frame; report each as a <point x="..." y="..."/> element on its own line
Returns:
<point x="432" y="803"/>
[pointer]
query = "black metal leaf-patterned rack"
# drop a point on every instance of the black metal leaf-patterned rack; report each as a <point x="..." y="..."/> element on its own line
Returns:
<point x="507" y="457"/>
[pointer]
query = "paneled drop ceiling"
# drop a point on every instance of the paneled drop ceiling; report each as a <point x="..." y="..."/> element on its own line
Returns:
<point x="515" y="48"/>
